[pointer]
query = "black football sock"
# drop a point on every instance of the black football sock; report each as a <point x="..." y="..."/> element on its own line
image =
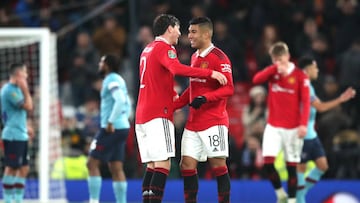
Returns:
<point x="191" y="185"/>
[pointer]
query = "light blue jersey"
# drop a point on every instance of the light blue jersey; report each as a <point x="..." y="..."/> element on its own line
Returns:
<point x="115" y="103"/>
<point x="12" y="113"/>
<point x="311" y="133"/>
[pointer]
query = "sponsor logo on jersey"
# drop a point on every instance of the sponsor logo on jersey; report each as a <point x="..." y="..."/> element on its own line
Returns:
<point x="171" y="54"/>
<point x="278" y="88"/>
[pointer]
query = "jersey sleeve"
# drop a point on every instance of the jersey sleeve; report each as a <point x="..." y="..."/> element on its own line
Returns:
<point x="168" y="58"/>
<point x="264" y="75"/>
<point x="305" y="99"/>
<point x="183" y="99"/>
<point x="119" y="99"/>
<point x="223" y="91"/>
<point x="15" y="97"/>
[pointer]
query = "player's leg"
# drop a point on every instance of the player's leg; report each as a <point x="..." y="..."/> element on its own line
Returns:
<point x="116" y="165"/>
<point x="143" y="147"/>
<point x="8" y="181"/>
<point x="306" y="155"/>
<point x="321" y="164"/>
<point x="22" y="172"/>
<point x="14" y="160"/>
<point x="148" y="175"/>
<point x="271" y="146"/>
<point x="119" y="181"/>
<point x="96" y="156"/>
<point x="191" y="152"/>
<point x="215" y="140"/>
<point x="300" y="193"/>
<point x="156" y="143"/>
<point x="301" y="168"/>
<point x="220" y="170"/>
<point x="292" y="151"/>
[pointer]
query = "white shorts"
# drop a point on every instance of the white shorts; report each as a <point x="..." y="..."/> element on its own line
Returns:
<point x="156" y="140"/>
<point x="212" y="142"/>
<point x="276" y="139"/>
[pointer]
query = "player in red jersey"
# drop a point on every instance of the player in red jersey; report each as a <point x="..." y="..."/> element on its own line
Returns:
<point x="289" y="110"/>
<point x="206" y="132"/>
<point x="154" y="112"/>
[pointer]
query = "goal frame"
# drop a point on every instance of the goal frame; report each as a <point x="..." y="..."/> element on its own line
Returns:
<point x="44" y="37"/>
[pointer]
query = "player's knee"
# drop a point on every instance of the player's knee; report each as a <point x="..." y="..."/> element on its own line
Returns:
<point x="91" y="164"/>
<point x="186" y="164"/>
<point x="324" y="167"/>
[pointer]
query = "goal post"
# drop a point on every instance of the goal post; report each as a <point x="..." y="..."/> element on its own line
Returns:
<point x="18" y="44"/>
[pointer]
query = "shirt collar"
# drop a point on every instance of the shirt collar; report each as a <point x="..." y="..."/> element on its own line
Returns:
<point x="291" y="67"/>
<point x="206" y="51"/>
<point x="162" y="39"/>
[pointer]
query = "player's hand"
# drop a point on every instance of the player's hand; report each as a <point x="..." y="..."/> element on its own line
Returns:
<point x="110" y="128"/>
<point x="197" y="102"/>
<point x="347" y="94"/>
<point x="22" y="84"/>
<point x="302" y="131"/>
<point x="282" y="68"/>
<point x="219" y="77"/>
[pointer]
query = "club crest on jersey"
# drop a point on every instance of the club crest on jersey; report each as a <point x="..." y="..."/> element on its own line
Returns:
<point x="14" y="94"/>
<point x="291" y="80"/>
<point x="204" y="64"/>
<point x="171" y="54"/>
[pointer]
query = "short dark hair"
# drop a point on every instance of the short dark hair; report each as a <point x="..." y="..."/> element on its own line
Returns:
<point x="14" y="67"/>
<point x="305" y="61"/>
<point x="202" y="22"/>
<point x="112" y="61"/>
<point x="162" y="22"/>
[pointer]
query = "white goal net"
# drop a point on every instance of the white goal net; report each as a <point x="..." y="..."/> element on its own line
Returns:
<point x="36" y="47"/>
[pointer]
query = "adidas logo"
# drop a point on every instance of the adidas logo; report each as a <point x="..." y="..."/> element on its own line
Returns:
<point x="215" y="149"/>
<point x="148" y="193"/>
<point x="151" y="193"/>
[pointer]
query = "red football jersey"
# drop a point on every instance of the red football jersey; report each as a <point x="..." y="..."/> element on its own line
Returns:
<point x="158" y="65"/>
<point x="289" y="96"/>
<point x="213" y="112"/>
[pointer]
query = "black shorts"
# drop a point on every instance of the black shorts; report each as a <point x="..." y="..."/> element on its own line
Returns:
<point x="16" y="153"/>
<point x="312" y="150"/>
<point x="109" y="147"/>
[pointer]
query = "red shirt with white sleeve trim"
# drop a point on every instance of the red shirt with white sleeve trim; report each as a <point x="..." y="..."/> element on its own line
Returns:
<point x="288" y="98"/>
<point x="213" y="112"/>
<point x="158" y="65"/>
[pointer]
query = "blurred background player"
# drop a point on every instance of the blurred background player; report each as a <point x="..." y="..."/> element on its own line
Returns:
<point x="206" y="132"/>
<point x="16" y="101"/>
<point x="154" y="113"/>
<point x="312" y="148"/>
<point x="109" y="144"/>
<point x="289" y="110"/>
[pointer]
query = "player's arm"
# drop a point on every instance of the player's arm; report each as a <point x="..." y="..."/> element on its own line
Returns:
<point x="169" y="60"/>
<point x="183" y="99"/>
<point x="305" y="100"/>
<point x="27" y="103"/>
<point x="220" y="93"/>
<point x="325" y="106"/>
<point x="223" y="91"/>
<point x="264" y="75"/>
<point x="119" y="99"/>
